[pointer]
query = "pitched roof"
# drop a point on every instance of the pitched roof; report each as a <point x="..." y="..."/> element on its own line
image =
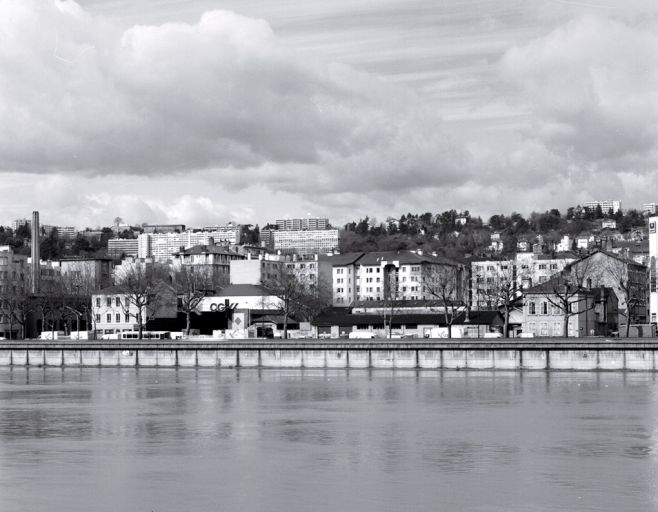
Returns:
<point x="207" y="249"/>
<point x="337" y="260"/>
<point x="404" y="257"/>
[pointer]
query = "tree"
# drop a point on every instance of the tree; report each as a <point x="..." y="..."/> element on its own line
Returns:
<point x="568" y="289"/>
<point x="444" y="283"/>
<point x="191" y="286"/>
<point x="297" y="296"/>
<point x="501" y="288"/>
<point x="17" y="303"/>
<point x="117" y="222"/>
<point x="143" y="287"/>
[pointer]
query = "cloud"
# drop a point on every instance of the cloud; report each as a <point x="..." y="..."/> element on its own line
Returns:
<point x="81" y="96"/>
<point x="592" y="88"/>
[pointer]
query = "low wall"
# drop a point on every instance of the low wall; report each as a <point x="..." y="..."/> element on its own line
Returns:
<point x="549" y="354"/>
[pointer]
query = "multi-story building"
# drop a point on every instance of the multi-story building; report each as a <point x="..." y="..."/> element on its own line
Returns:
<point x="524" y="270"/>
<point x="650" y="208"/>
<point x="85" y="274"/>
<point x="162" y="246"/>
<point x="229" y="234"/>
<point x="592" y="311"/>
<point x="15" y="224"/>
<point x="653" y="269"/>
<point x="120" y="247"/>
<point x="398" y="276"/>
<point x="311" y="224"/>
<point x="14" y="277"/>
<point x="213" y="261"/>
<point x="256" y="270"/>
<point x="164" y="228"/>
<point x="344" y="280"/>
<point x="319" y="241"/>
<point x="114" y="309"/>
<point x="606" y="206"/>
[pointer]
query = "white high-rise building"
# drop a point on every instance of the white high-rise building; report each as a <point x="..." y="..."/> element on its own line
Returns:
<point x="606" y="206"/>
<point x="653" y="257"/>
<point x="162" y="246"/>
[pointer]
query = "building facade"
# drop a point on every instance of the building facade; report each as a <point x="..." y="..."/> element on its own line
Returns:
<point x="318" y="241"/>
<point x="606" y="206"/>
<point x="310" y="224"/>
<point x="162" y="246"/>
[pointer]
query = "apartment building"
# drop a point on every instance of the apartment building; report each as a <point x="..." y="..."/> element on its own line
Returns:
<point x="310" y="224"/>
<point x="119" y="247"/>
<point x="319" y="241"/>
<point x="397" y="275"/>
<point x="606" y="206"/>
<point x="85" y="273"/>
<point x="344" y="277"/>
<point x="212" y="260"/>
<point x="164" y="228"/>
<point x="14" y="279"/>
<point x="114" y="310"/>
<point x="524" y="270"/>
<point x="228" y="234"/>
<point x="162" y="246"/>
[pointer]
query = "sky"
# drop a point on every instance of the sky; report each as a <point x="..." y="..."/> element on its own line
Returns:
<point x="208" y="111"/>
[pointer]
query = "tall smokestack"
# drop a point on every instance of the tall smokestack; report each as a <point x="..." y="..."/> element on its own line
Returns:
<point x="36" y="254"/>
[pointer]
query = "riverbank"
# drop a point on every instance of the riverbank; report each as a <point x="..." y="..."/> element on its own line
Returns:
<point x="636" y="354"/>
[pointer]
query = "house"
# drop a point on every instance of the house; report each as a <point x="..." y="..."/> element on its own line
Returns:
<point x="558" y="307"/>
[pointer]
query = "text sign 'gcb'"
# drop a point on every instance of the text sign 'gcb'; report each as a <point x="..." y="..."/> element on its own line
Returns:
<point x="221" y="308"/>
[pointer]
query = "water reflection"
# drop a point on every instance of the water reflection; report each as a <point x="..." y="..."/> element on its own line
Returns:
<point x="194" y="439"/>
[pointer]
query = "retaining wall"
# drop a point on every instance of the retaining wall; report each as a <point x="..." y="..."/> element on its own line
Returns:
<point x="554" y="354"/>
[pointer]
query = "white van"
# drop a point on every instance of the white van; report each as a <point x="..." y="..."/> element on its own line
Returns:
<point x="362" y="335"/>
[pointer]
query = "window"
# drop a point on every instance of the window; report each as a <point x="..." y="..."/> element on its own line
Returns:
<point x="553" y="266"/>
<point x="531" y="308"/>
<point x="117" y="317"/>
<point x="544" y="308"/>
<point x="108" y="301"/>
<point x="117" y="301"/>
<point x="542" y="266"/>
<point x="98" y="302"/>
<point x="108" y="318"/>
<point x="98" y="316"/>
<point x="127" y="318"/>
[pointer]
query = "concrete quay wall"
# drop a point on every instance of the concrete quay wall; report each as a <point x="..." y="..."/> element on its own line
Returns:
<point x="553" y="354"/>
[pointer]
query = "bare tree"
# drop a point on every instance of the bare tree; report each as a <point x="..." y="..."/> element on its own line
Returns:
<point x="501" y="288"/>
<point x="191" y="286"/>
<point x="629" y="285"/>
<point x="567" y="290"/>
<point x="17" y="303"/>
<point x="444" y="283"/>
<point x="143" y="287"/>
<point x="298" y="297"/>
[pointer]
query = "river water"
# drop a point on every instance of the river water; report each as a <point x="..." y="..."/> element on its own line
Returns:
<point x="115" y="439"/>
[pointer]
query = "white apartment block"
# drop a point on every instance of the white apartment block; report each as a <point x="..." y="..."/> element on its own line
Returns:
<point x="653" y="268"/>
<point x="317" y="241"/>
<point x="650" y="208"/>
<point x="162" y="246"/>
<point x="606" y="206"/>
<point x="228" y="234"/>
<point x="525" y="269"/>
<point x="118" y="247"/>
<point x="311" y="223"/>
<point x="386" y="275"/>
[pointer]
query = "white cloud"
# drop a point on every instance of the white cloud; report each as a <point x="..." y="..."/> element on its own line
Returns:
<point x="592" y="86"/>
<point x="83" y="97"/>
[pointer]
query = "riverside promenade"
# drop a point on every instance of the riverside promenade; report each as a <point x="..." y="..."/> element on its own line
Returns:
<point x="635" y="354"/>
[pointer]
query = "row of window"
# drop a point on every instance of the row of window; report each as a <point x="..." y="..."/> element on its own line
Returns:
<point x="117" y="318"/>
